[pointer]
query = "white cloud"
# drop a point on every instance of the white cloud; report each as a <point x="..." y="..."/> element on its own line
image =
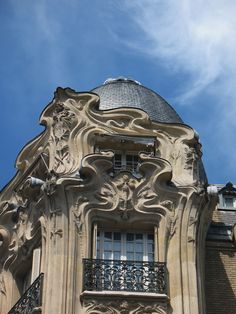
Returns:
<point x="196" y="37"/>
<point x="195" y="40"/>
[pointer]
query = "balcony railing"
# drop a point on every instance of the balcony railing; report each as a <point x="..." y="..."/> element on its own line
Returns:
<point x="116" y="275"/>
<point x="31" y="299"/>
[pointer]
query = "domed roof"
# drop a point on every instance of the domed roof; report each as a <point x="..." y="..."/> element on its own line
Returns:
<point x="122" y="92"/>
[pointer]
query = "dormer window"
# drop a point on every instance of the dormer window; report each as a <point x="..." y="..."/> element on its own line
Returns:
<point x="227" y="197"/>
<point x="229" y="202"/>
<point x="126" y="150"/>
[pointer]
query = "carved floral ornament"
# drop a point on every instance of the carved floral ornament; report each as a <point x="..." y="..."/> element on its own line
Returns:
<point x="125" y="196"/>
<point x="21" y="233"/>
<point x="72" y="120"/>
<point x="23" y="218"/>
<point x="124" y="307"/>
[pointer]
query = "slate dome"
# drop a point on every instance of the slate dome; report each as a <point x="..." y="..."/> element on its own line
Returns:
<point x="123" y="92"/>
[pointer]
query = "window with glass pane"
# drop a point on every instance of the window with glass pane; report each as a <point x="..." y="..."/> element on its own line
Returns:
<point x="134" y="246"/>
<point x="132" y="162"/>
<point x="229" y="201"/>
<point x="124" y="261"/>
<point x="118" y="161"/>
<point x="126" y="161"/>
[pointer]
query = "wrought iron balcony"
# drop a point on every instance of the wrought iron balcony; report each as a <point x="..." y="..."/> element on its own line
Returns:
<point x="117" y="275"/>
<point x="31" y="299"/>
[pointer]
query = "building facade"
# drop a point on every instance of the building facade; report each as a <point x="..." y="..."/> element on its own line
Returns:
<point x="109" y="210"/>
<point x="221" y="254"/>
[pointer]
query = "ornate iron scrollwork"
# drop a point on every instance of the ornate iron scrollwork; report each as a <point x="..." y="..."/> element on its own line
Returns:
<point x="31" y="299"/>
<point x="117" y="275"/>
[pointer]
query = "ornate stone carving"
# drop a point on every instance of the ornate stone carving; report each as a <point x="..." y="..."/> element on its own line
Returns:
<point x="123" y="306"/>
<point x="77" y="211"/>
<point x="72" y="121"/>
<point x="173" y="224"/>
<point x="168" y="204"/>
<point x="185" y="158"/>
<point x="25" y="227"/>
<point x="125" y="187"/>
<point x="124" y="193"/>
<point x="50" y="185"/>
<point x="191" y="157"/>
<point x="63" y="121"/>
<point x="58" y="232"/>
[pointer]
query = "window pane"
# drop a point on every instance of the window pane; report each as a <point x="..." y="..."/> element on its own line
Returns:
<point x="117" y="160"/>
<point x="139" y="247"/>
<point x="229" y="202"/>
<point x="139" y="236"/>
<point x="150" y="257"/>
<point x="132" y="162"/>
<point x="129" y="246"/>
<point x="130" y="237"/>
<point x="117" y="156"/>
<point x="117" y="236"/>
<point x="150" y="248"/>
<point x="108" y="246"/>
<point x="108" y="235"/>
<point x="117" y="255"/>
<point x="129" y="158"/>
<point x="139" y="256"/>
<point x="130" y="256"/>
<point x="150" y="237"/>
<point x="117" y="246"/>
<point x="107" y="255"/>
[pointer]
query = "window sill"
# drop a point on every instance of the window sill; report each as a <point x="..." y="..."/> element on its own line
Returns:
<point x="125" y="294"/>
<point x="222" y="208"/>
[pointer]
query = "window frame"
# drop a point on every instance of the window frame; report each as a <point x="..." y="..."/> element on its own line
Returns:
<point x="152" y="231"/>
<point x="222" y="203"/>
<point x="124" y="163"/>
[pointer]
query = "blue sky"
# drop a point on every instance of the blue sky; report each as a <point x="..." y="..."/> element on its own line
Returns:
<point x="184" y="50"/>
